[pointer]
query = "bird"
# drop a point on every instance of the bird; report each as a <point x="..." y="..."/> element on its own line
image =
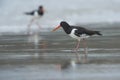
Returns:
<point x="36" y="15"/>
<point x="79" y="33"/>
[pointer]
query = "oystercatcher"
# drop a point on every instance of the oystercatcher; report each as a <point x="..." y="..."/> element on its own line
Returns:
<point x="36" y="16"/>
<point x="78" y="33"/>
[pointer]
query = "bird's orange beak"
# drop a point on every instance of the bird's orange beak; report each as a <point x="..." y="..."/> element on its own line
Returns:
<point x="56" y="28"/>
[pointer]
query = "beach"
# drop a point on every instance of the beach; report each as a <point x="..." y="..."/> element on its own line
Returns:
<point x="36" y="57"/>
<point x="47" y="55"/>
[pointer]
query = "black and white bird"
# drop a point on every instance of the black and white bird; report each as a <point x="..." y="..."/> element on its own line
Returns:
<point x="78" y="33"/>
<point x="36" y="15"/>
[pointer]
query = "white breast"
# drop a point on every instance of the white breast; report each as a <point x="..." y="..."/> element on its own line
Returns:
<point x="73" y="35"/>
<point x="36" y="15"/>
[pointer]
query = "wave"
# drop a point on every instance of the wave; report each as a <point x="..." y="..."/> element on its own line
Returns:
<point x="72" y="11"/>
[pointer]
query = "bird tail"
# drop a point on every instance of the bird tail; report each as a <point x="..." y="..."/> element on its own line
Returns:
<point x="98" y="33"/>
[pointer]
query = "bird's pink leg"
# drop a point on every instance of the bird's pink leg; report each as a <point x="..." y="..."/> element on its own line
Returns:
<point x="38" y="25"/>
<point x="76" y="51"/>
<point x="29" y="26"/>
<point x="85" y="50"/>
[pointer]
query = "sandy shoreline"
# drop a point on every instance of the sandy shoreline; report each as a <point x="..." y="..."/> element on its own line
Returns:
<point x="58" y="43"/>
<point x="18" y="57"/>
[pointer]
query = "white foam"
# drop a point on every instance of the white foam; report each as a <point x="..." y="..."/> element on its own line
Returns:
<point x="94" y="49"/>
<point x="77" y="11"/>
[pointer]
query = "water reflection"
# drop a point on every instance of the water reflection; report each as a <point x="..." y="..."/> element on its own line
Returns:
<point x="38" y="43"/>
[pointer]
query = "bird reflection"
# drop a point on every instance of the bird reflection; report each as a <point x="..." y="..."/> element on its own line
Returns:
<point x="38" y="43"/>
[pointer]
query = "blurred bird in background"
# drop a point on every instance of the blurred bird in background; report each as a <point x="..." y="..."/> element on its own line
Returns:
<point x="36" y="15"/>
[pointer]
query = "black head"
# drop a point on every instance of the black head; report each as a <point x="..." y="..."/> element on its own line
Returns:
<point x="66" y="27"/>
<point x="40" y="7"/>
<point x="64" y="24"/>
<point x="41" y="10"/>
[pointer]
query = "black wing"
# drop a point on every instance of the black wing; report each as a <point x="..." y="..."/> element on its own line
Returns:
<point x="30" y="13"/>
<point x="79" y="30"/>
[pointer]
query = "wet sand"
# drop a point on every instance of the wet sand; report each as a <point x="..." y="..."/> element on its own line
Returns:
<point x="36" y="57"/>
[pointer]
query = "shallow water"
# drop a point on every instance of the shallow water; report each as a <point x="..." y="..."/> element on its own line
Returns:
<point x="50" y="72"/>
<point x="37" y="57"/>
